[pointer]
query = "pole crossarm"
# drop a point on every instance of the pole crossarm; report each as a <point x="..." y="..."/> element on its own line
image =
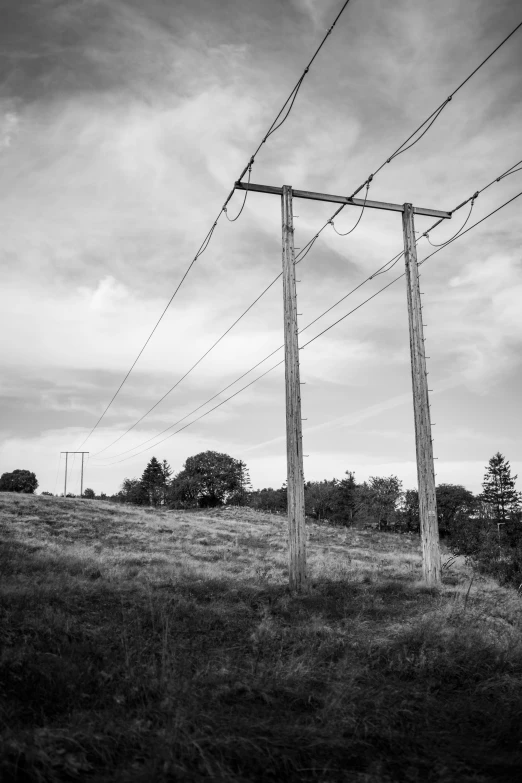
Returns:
<point x="354" y="202"/>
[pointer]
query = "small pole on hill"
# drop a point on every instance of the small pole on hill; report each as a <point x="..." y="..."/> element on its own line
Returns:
<point x="429" y="527"/>
<point x="294" y="437"/>
<point x="81" y="480"/>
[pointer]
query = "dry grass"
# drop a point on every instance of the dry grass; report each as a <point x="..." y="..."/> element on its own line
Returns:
<point x="161" y="646"/>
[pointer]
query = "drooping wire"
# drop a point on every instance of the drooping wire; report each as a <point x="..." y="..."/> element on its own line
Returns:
<point x="300" y="257"/>
<point x="316" y="337"/>
<point x="201" y="250"/>
<point x="291" y="99"/>
<point x="441" y="244"/>
<point x="345" y="234"/>
<point x="276" y="124"/>
<point x="458" y="236"/>
<point x="435" y="115"/>
<point x="192" y="368"/>
<point x="233" y="220"/>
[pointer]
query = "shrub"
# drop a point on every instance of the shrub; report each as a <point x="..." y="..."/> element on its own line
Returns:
<point x="18" y="481"/>
<point x="491" y="548"/>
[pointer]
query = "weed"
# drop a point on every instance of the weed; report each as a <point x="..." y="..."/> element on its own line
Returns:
<point x="138" y="646"/>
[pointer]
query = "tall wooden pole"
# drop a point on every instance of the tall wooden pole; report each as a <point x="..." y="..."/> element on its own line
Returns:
<point x="294" y="438"/>
<point x="424" y="447"/>
<point x="81" y="480"/>
<point x="65" y="486"/>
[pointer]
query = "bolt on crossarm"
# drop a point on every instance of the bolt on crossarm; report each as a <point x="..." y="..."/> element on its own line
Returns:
<point x="429" y="527"/>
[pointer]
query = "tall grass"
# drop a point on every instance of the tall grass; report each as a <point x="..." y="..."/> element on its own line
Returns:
<point x="152" y="646"/>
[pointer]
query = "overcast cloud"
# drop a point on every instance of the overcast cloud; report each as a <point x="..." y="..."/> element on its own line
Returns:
<point x="123" y="125"/>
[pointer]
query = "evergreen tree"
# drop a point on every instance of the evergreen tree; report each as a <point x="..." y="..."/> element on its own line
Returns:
<point x="245" y="484"/>
<point x="154" y="482"/>
<point x="499" y="491"/>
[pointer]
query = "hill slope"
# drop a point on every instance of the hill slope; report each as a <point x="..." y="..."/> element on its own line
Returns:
<point x="146" y="645"/>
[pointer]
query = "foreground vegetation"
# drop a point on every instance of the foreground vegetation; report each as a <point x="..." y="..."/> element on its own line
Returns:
<point x="153" y="645"/>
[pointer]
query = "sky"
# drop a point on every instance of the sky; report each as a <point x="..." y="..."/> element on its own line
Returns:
<point x="123" y="126"/>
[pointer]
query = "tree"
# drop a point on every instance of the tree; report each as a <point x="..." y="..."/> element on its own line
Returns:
<point x="321" y="498"/>
<point x="499" y="491"/>
<point x="269" y="499"/>
<point x="132" y="491"/>
<point x="381" y="495"/>
<point x="240" y="498"/>
<point x="183" y="491"/>
<point x="89" y="493"/>
<point x="49" y="494"/>
<point x="154" y="480"/>
<point x="350" y="499"/>
<point x="410" y="510"/>
<point x="454" y="502"/>
<point x="212" y="476"/>
<point x="18" y="481"/>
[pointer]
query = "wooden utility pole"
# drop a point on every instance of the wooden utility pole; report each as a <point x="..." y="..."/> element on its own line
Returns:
<point x="65" y="486"/>
<point x="294" y="438"/>
<point x="421" y="406"/>
<point x="425" y="471"/>
<point x="81" y="480"/>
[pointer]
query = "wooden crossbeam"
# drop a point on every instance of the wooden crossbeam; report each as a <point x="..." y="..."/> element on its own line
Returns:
<point x="355" y="202"/>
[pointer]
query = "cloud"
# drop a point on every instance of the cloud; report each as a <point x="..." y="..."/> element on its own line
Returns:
<point x="122" y="128"/>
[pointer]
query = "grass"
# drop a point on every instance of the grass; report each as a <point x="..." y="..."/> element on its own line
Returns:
<point x="143" y="645"/>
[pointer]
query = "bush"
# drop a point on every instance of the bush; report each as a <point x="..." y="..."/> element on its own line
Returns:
<point x="18" y="481"/>
<point x="491" y="549"/>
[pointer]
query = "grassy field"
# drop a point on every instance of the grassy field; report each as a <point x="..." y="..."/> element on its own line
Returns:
<point x="143" y="645"/>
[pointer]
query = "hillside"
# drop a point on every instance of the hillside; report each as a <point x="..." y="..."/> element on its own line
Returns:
<point x="143" y="645"/>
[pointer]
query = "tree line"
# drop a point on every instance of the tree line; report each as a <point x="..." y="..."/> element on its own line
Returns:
<point x="486" y="528"/>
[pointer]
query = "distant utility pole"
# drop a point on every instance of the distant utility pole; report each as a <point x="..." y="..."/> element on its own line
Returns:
<point x="429" y="525"/>
<point x="425" y="470"/>
<point x="294" y="436"/>
<point x="81" y="480"/>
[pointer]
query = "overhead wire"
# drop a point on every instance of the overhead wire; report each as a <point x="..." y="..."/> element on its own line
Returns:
<point x="346" y="233"/>
<point x="57" y="474"/>
<point x="276" y="124"/>
<point x="306" y="249"/>
<point x="453" y="239"/>
<point x="436" y="114"/>
<point x="441" y="244"/>
<point x="327" y="329"/>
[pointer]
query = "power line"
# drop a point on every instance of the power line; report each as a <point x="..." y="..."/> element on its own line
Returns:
<point x="316" y="337"/>
<point x="434" y="115"/>
<point x="382" y="270"/>
<point x="57" y="473"/>
<point x="276" y="124"/>
<point x="457" y="236"/>
<point x="306" y="249"/>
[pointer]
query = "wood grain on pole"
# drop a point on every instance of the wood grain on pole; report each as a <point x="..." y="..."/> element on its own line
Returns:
<point x="294" y="441"/>
<point x="425" y="469"/>
<point x="81" y="480"/>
